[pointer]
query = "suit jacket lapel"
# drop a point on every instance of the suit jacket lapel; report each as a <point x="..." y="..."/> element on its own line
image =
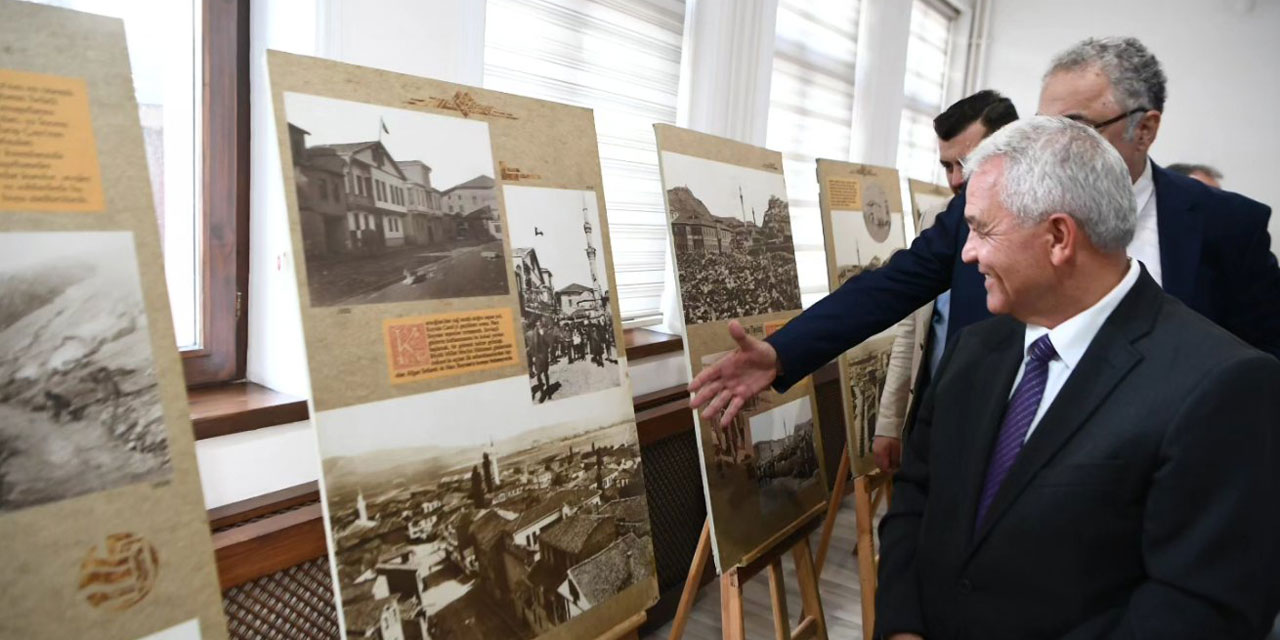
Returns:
<point x="1109" y="358"/>
<point x="1005" y="358"/>
<point x="1180" y="232"/>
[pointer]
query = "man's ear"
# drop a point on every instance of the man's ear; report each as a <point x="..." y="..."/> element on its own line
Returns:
<point x="1064" y="233"/>
<point x="1144" y="135"/>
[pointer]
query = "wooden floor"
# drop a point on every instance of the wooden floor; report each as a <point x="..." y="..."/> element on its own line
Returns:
<point x="841" y="594"/>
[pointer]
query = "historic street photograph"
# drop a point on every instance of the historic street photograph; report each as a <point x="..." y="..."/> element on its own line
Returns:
<point x="503" y="528"/>
<point x="395" y="205"/>
<point x="782" y="439"/>
<point x="80" y="409"/>
<point x="867" y="367"/>
<point x="559" y="263"/>
<point x="733" y="247"/>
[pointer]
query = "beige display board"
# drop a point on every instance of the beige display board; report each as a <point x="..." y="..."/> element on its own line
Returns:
<point x="101" y="510"/>
<point x="927" y="201"/>
<point x="862" y="221"/>
<point x="735" y="260"/>
<point x="481" y="470"/>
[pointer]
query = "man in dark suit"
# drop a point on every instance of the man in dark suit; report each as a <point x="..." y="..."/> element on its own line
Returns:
<point x="1114" y="472"/>
<point x="1208" y="248"/>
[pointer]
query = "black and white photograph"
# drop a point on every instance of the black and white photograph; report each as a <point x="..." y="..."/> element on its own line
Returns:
<point x="559" y="264"/>
<point x="734" y="253"/>
<point x="503" y="527"/>
<point x="782" y="440"/>
<point x="395" y="205"/>
<point x="867" y="367"/>
<point x="80" y="410"/>
<point x="865" y="240"/>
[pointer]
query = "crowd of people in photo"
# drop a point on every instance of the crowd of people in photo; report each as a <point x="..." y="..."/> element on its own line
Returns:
<point x="550" y="341"/>
<point x="721" y="286"/>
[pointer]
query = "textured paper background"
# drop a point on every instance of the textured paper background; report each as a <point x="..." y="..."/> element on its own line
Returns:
<point x="859" y="434"/>
<point x="739" y="535"/>
<point x="535" y="143"/>
<point x="45" y="544"/>
<point x="926" y="196"/>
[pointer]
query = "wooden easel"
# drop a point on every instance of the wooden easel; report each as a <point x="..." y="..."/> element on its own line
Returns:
<point x="868" y="492"/>
<point x="812" y="623"/>
<point x="629" y="629"/>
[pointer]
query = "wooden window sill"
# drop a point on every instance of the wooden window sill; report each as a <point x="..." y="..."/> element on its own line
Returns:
<point x="241" y="406"/>
<point x="646" y="343"/>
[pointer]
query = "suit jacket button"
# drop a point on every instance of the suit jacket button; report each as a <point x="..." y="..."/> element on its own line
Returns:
<point x="966" y="586"/>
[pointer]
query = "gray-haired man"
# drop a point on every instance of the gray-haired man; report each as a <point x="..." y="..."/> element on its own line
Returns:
<point x="1114" y="470"/>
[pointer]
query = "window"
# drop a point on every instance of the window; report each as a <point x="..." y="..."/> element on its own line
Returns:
<point x="925" y="86"/>
<point x="621" y="59"/>
<point x="811" y="116"/>
<point x="196" y="144"/>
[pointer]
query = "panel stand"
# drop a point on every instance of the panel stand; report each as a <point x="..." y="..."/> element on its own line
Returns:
<point x="629" y="629"/>
<point x="868" y="492"/>
<point x="812" y="624"/>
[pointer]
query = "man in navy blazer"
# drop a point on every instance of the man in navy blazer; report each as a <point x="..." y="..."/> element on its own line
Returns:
<point x="1113" y="471"/>
<point x="1206" y="247"/>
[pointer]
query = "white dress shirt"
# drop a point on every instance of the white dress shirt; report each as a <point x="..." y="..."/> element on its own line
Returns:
<point x="1146" y="238"/>
<point x="1071" y="339"/>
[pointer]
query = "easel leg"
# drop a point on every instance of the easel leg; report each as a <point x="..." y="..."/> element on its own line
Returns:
<point x="693" y="582"/>
<point x="833" y="508"/>
<point x="732" y="624"/>
<point x="778" y="596"/>
<point x="807" y="576"/>
<point x="866" y="553"/>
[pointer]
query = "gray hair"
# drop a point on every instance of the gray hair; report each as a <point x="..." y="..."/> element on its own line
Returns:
<point x="1056" y="165"/>
<point x="1134" y="72"/>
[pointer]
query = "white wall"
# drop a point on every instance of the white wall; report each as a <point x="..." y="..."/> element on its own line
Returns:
<point x="245" y="465"/>
<point x="1219" y="57"/>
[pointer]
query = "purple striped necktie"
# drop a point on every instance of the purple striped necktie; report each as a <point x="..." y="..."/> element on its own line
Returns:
<point x="1017" y="419"/>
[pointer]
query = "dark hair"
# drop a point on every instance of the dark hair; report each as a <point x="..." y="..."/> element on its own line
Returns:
<point x="986" y="106"/>
<point x="1187" y="169"/>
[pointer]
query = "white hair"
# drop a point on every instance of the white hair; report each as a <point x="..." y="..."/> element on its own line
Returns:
<point x="1055" y="165"/>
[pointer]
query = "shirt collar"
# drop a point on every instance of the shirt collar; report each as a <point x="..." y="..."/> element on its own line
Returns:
<point x="1071" y="338"/>
<point x="1144" y="188"/>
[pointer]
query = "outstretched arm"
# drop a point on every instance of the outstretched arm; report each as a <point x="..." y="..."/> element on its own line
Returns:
<point x="872" y="301"/>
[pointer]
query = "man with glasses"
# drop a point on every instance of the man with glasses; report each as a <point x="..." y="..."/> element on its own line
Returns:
<point x="1208" y="248"/>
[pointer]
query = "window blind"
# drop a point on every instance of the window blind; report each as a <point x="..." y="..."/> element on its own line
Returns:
<point x="622" y="59"/>
<point x="811" y="115"/>
<point x="924" y="87"/>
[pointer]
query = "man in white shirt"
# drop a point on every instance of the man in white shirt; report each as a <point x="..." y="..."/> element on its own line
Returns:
<point x="1113" y="471"/>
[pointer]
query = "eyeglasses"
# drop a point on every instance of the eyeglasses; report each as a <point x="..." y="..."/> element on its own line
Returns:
<point x="1099" y="126"/>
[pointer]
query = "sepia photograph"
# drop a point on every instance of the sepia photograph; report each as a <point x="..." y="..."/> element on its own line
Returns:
<point x="505" y="527"/>
<point x="927" y="201"/>
<point x="394" y="205"/>
<point x="563" y="284"/>
<point x="733" y="247"/>
<point x="783" y="447"/>
<point x="865" y="240"/>
<point x="867" y="368"/>
<point x="80" y="410"/>
<point x="760" y="468"/>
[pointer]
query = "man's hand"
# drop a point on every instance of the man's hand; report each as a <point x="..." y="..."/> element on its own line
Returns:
<point x="906" y="636"/>
<point x="735" y="378"/>
<point x="888" y="453"/>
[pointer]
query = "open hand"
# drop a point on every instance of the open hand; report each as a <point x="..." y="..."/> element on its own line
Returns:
<point x="735" y="378"/>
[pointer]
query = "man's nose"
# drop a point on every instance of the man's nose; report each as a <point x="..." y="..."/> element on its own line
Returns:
<point x="968" y="253"/>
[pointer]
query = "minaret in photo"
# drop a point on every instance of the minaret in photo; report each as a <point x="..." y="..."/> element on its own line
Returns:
<point x="591" y="253"/>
